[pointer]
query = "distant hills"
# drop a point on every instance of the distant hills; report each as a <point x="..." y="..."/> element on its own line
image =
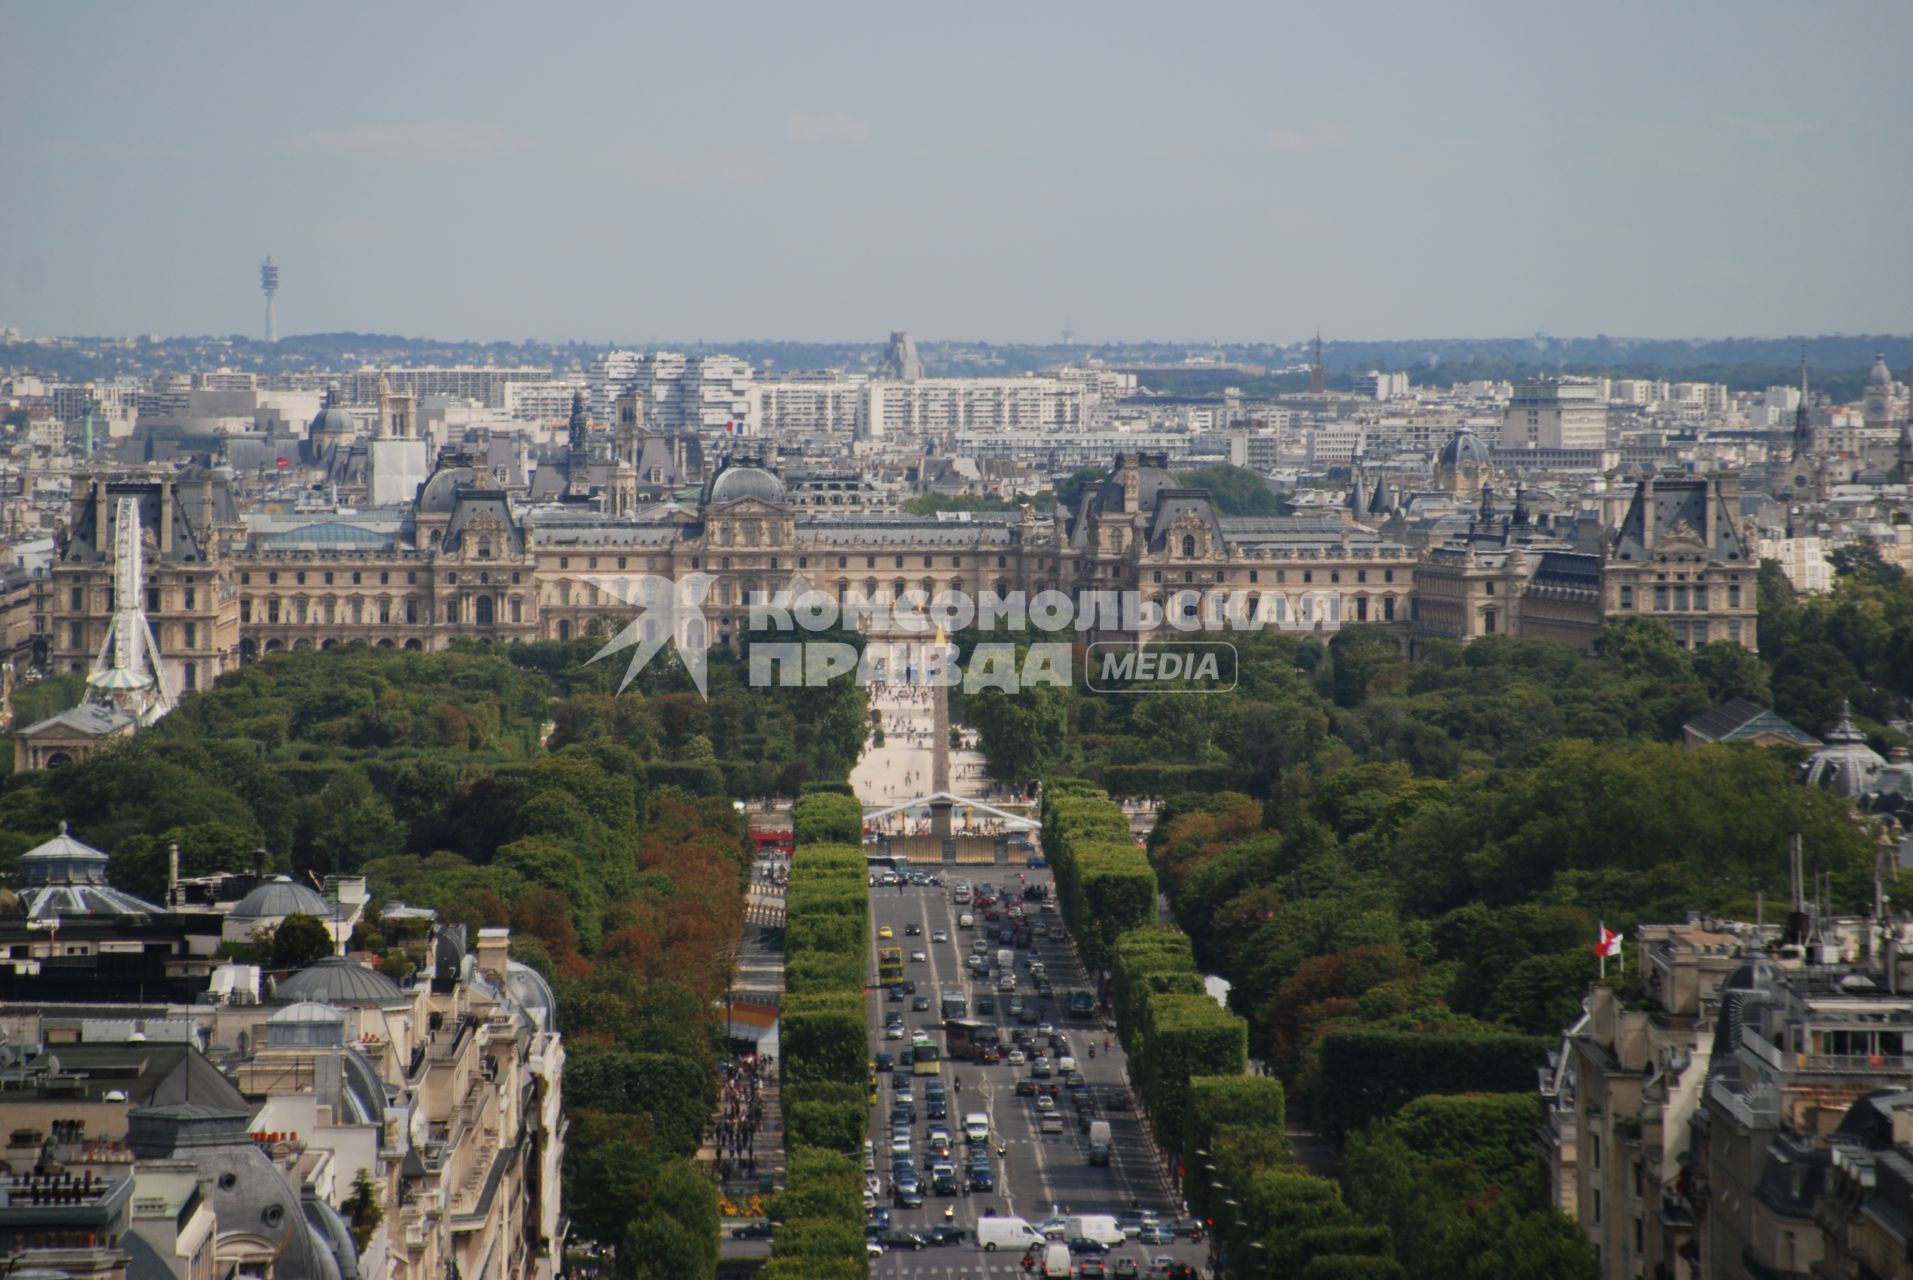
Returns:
<point x="1838" y="361"/>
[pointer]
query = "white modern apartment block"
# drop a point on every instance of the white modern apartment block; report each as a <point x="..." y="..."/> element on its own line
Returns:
<point x="548" y="401"/>
<point x="975" y="404"/>
<point x="822" y="402"/>
<point x="608" y="377"/>
<point x="691" y="393"/>
<point x="1330" y="446"/>
<point x="716" y="394"/>
<point x="1803" y="559"/>
<point x="1377" y="385"/>
<point x="1555" y="413"/>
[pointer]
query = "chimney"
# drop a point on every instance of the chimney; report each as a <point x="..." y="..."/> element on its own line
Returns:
<point x="172" y="875"/>
<point x="165" y="517"/>
<point x="1645" y="496"/>
<point x="493" y="947"/>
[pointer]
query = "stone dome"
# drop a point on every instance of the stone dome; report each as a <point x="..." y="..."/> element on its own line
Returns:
<point x="64" y="877"/>
<point x="1880" y="375"/>
<point x="1464" y="448"/>
<point x="1846" y="764"/>
<point x="332" y="418"/>
<point x="338" y="980"/>
<point x="279" y="897"/>
<point x="307" y="1024"/>
<point x="735" y="483"/>
<point x="532" y="993"/>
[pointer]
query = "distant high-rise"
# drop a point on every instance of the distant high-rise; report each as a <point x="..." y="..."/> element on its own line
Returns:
<point x="269" y="281"/>
<point x="1318" y="372"/>
<point x="900" y="363"/>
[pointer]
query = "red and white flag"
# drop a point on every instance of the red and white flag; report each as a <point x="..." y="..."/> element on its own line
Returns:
<point x="1609" y="945"/>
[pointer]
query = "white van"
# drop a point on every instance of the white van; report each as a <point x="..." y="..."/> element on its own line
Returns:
<point x="1100" y="1227"/>
<point x="1007" y="1233"/>
<point x="1056" y="1262"/>
<point x="966" y="921"/>
<point x="976" y="1128"/>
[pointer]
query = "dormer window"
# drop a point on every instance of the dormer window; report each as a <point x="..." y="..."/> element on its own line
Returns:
<point x="1188" y="544"/>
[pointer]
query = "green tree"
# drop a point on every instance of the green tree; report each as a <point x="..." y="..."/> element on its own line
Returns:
<point x="298" y="941"/>
<point x="1237" y="491"/>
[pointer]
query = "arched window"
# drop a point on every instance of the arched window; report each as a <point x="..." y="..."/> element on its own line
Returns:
<point x="564" y="628"/>
<point x="1188" y="544"/>
<point x="484" y="548"/>
<point x="482" y="611"/>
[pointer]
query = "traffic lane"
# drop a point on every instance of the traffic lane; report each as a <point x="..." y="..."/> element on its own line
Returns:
<point x="1037" y="1171"/>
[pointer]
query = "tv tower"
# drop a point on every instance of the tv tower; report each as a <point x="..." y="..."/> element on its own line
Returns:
<point x="269" y="281"/>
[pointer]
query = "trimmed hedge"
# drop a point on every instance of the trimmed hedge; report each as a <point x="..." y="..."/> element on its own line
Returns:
<point x="818" y="1233"/>
<point x="1367" y="1075"/>
<point x="1241" y="1123"/>
<point x="1187" y="1035"/>
<point x="827" y="1116"/>
<point x="1104" y="883"/>
<point x="1347" y="1242"/>
<point x="822" y="788"/>
<point x="827" y="818"/>
<point x="1353" y="1267"/>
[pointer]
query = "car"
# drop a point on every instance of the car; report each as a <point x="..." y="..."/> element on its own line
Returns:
<point x="939" y="936"/>
<point x="917" y="957"/>
<point x="909" y="988"/>
<point x="1045" y="988"/>
<point x="1067" y="1065"/>
<point x="913" y="930"/>
<point x="909" y="1197"/>
<point x="1045" y="1104"/>
<point x="901" y="1238"/>
<point x="1045" y="1029"/>
<point x="1057" y="933"/>
<point x="1084" y="1245"/>
<point x="893" y="1032"/>
<point x="982" y="1180"/>
<point x="1155" y="1233"/>
<point x="895" y="993"/>
<point x="1054" y="1228"/>
<point x="752" y="1231"/>
<point x="985" y="1005"/>
<point x="1085" y="1117"/>
<point x="948" y="1235"/>
<point x="1017" y="1057"/>
<point x="1126" y="1269"/>
<point x="873" y="1249"/>
<point x="884" y="1062"/>
<point x="919" y="1003"/>
<point x="884" y="931"/>
<point x="1050" y="1123"/>
<point x="1026" y="1088"/>
<point x="904" y="1094"/>
<point x="1006" y="983"/>
<point x="1091" y="1268"/>
<point x="1036" y="862"/>
<point x="1162" y="1268"/>
<point x="1132" y="1221"/>
<point x="1029" y="1017"/>
<point x="908" y="1056"/>
<point x="1187" y="1228"/>
<point x="1041" y="1069"/>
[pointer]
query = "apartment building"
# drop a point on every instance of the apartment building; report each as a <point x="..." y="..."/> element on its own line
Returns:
<point x="1555" y="413"/>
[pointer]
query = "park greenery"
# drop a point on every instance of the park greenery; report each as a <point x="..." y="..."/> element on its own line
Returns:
<point x="1400" y="868"/>
<point x="499" y="787"/>
<point x="826" y="1072"/>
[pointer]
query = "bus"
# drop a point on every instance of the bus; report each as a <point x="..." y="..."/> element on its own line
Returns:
<point x="1082" y="1003"/>
<point x="965" y="1038"/>
<point x="955" y="1005"/>
<point x="889" y="965"/>
<point x="926" y="1059"/>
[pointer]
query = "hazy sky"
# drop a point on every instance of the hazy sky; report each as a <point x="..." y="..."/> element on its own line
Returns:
<point x="1191" y="171"/>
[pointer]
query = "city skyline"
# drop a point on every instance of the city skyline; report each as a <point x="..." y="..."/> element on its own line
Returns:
<point x="634" y="176"/>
